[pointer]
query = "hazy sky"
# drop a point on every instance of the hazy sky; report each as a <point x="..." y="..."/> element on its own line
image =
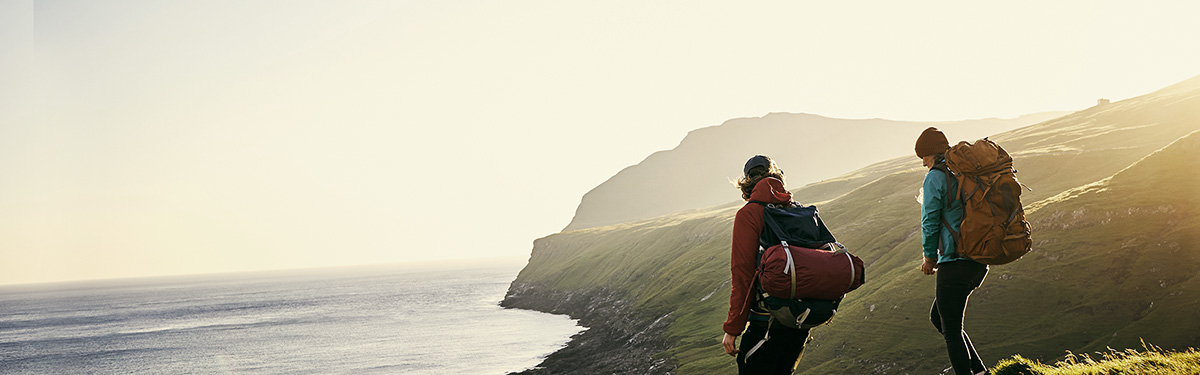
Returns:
<point x="164" y="137"/>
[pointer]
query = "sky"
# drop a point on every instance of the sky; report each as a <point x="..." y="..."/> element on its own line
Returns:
<point x="147" y="138"/>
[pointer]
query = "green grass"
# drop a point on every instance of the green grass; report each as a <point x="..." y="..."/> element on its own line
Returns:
<point x="1150" y="360"/>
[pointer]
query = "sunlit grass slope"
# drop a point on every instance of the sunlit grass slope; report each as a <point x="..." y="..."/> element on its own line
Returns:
<point x="1115" y="255"/>
<point x="1151" y="360"/>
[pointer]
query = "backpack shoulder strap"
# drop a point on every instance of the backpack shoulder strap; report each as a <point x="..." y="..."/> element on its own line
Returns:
<point x="946" y="204"/>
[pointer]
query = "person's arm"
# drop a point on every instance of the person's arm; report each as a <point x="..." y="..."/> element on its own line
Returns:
<point x="931" y="212"/>
<point x="743" y="260"/>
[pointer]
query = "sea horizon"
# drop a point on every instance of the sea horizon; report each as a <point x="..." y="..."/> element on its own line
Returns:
<point x="358" y="319"/>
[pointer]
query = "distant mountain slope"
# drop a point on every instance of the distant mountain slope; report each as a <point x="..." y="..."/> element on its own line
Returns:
<point x="810" y="148"/>
<point x="1116" y="239"/>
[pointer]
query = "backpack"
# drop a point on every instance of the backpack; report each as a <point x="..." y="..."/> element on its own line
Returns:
<point x="802" y="267"/>
<point x="798" y="283"/>
<point x="994" y="230"/>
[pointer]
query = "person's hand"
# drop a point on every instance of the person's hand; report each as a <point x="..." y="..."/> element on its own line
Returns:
<point x="728" y="343"/>
<point x="929" y="266"/>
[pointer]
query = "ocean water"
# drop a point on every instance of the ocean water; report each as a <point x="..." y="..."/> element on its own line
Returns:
<point x="381" y="320"/>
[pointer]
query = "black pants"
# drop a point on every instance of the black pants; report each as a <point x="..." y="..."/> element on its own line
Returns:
<point x="955" y="282"/>
<point x="778" y="355"/>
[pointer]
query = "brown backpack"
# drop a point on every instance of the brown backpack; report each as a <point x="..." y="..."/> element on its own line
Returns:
<point x="994" y="230"/>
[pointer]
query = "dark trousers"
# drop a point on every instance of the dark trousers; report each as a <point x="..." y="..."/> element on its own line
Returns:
<point x="778" y="355"/>
<point x="955" y="282"/>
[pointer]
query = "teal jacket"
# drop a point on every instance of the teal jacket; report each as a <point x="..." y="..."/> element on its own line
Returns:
<point x="934" y="235"/>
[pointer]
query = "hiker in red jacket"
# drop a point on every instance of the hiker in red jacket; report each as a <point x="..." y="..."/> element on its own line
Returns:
<point x="762" y="181"/>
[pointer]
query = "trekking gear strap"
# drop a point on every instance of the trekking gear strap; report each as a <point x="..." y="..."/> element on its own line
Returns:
<point x="750" y="289"/>
<point x="802" y="317"/>
<point x="790" y="269"/>
<point x="1012" y="216"/>
<point x="836" y="248"/>
<point x="953" y="233"/>
<point x="766" y="336"/>
<point x="851" y="260"/>
<point x="978" y="184"/>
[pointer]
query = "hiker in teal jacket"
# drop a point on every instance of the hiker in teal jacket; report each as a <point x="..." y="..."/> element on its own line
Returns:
<point x="957" y="276"/>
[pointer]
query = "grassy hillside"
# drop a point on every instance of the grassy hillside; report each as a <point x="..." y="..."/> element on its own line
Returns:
<point x="1114" y="236"/>
<point x="1152" y="360"/>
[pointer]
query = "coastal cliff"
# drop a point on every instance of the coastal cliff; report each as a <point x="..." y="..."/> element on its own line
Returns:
<point x="618" y="340"/>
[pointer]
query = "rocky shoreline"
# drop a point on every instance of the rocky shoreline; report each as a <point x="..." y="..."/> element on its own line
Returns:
<point x="618" y="339"/>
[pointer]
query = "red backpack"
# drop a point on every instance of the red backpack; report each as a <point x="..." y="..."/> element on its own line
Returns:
<point x="801" y="259"/>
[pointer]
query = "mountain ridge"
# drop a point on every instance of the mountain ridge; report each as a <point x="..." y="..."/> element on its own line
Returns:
<point x="701" y="160"/>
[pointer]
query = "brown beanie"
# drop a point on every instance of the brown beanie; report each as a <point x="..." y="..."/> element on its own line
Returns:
<point x="931" y="142"/>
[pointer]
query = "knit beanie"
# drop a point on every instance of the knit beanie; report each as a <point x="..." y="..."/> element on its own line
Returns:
<point x="756" y="161"/>
<point x="931" y="142"/>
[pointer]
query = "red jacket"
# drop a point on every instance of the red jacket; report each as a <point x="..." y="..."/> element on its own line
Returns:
<point x="743" y="261"/>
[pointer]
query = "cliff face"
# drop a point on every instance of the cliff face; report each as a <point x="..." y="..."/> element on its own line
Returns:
<point x="619" y="339"/>
<point x="1115" y="259"/>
